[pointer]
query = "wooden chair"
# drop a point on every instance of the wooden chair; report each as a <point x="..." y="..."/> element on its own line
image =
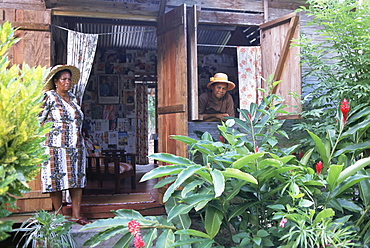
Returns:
<point x="112" y="165"/>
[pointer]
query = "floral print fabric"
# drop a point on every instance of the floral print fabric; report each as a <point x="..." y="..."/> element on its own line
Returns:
<point x="249" y="74"/>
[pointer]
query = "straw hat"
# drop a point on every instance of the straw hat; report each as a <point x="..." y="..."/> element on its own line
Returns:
<point x="49" y="84"/>
<point x="221" y="78"/>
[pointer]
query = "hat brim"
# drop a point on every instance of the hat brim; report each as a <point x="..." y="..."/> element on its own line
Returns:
<point x="230" y="85"/>
<point x="54" y="70"/>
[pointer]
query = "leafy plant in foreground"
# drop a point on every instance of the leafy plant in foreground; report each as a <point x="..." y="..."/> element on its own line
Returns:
<point x="21" y="135"/>
<point x="246" y="194"/>
<point x="46" y="230"/>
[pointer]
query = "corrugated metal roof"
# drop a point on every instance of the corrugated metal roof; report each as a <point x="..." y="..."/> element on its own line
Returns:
<point x="210" y="41"/>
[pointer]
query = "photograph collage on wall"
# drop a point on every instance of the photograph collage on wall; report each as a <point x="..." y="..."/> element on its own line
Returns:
<point x="109" y="101"/>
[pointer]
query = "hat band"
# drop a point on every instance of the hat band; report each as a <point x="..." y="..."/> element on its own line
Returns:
<point x="219" y="78"/>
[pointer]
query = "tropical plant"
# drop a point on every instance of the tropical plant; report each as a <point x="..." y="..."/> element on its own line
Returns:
<point x="337" y="58"/>
<point x="250" y="193"/>
<point x="21" y="135"/>
<point x="46" y="230"/>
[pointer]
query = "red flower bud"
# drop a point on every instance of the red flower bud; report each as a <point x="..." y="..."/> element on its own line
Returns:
<point x="222" y="139"/>
<point x="133" y="227"/>
<point x="138" y="241"/>
<point x="319" y="168"/>
<point x="344" y="107"/>
<point x="256" y="149"/>
<point x="250" y="116"/>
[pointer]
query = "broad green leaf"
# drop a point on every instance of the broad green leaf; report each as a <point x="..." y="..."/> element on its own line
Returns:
<point x="231" y="172"/>
<point x="353" y="148"/>
<point x="103" y="235"/>
<point x="185" y="139"/>
<point x="349" y="205"/>
<point x="188" y="241"/>
<point x="162" y="171"/>
<point x="179" y="210"/>
<point x="191" y="186"/>
<point x="326" y="213"/>
<point x="236" y="188"/>
<point x="320" y="148"/>
<point x="129" y="214"/>
<point x="123" y="242"/>
<point x="149" y="237"/>
<point x="305" y="203"/>
<point x="164" y="181"/>
<point x="168" y="192"/>
<point x="353" y="169"/>
<point x="185" y="174"/>
<point x="166" y="239"/>
<point x="240" y="163"/>
<point x="364" y="187"/>
<point x="218" y="182"/>
<point x="192" y="232"/>
<point x="306" y="157"/>
<point x="347" y="184"/>
<point x="262" y="233"/>
<point x="365" y="124"/>
<point x="196" y="198"/>
<point x="213" y="220"/>
<point x="171" y="159"/>
<point x="206" y="244"/>
<point x="333" y="174"/>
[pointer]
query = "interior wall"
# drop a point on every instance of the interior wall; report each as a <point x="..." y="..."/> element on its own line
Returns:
<point x="109" y="102"/>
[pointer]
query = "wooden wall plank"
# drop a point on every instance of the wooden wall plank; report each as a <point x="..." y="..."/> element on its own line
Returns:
<point x="34" y="48"/>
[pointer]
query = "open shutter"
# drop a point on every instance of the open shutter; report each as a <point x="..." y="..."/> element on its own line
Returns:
<point x="172" y="81"/>
<point x="282" y="60"/>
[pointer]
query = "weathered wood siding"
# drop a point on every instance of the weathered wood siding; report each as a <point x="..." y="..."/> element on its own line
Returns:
<point x="33" y="49"/>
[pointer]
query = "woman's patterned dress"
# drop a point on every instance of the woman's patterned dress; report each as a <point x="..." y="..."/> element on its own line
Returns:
<point x="66" y="167"/>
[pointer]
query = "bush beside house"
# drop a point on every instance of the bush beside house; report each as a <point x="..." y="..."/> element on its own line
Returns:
<point x="21" y="135"/>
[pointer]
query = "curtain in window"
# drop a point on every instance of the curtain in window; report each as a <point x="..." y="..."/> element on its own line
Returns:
<point x="250" y="73"/>
<point x="80" y="53"/>
<point x="142" y="123"/>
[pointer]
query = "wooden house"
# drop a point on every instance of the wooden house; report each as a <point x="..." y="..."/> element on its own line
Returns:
<point x="179" y="27"/>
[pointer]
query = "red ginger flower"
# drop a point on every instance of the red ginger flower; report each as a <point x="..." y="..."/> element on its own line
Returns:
<point x="133" y="227"/>
<point x="319" y="168"/>
<point x="138" y="241"/>
<point x="344" y="108"/>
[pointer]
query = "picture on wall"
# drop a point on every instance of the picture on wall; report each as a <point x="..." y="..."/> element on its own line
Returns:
<point x="108" y="88"/>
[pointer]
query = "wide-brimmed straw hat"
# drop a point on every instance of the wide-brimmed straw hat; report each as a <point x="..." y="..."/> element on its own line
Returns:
<point x="54" y="70"/>
<point x="221" y="78"/>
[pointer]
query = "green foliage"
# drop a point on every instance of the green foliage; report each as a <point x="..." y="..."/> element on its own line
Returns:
<point x="20" y="131"/>
<point x="246" y="192"/>
<point x="46" y="230"/>
<point x="338" y="62"/>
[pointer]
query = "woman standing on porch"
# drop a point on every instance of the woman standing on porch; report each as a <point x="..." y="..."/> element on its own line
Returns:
<point x="65" y="169"/>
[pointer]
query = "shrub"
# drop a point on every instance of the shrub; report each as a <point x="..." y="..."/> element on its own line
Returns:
<point x="21" y="135"/>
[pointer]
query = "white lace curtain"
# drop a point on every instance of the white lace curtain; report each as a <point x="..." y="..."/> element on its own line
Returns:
<point x="80" y="53"/>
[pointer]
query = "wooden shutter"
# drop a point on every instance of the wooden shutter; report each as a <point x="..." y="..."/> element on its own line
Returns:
<point x="172" y="81"/>
<point x="282" y="60"/>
